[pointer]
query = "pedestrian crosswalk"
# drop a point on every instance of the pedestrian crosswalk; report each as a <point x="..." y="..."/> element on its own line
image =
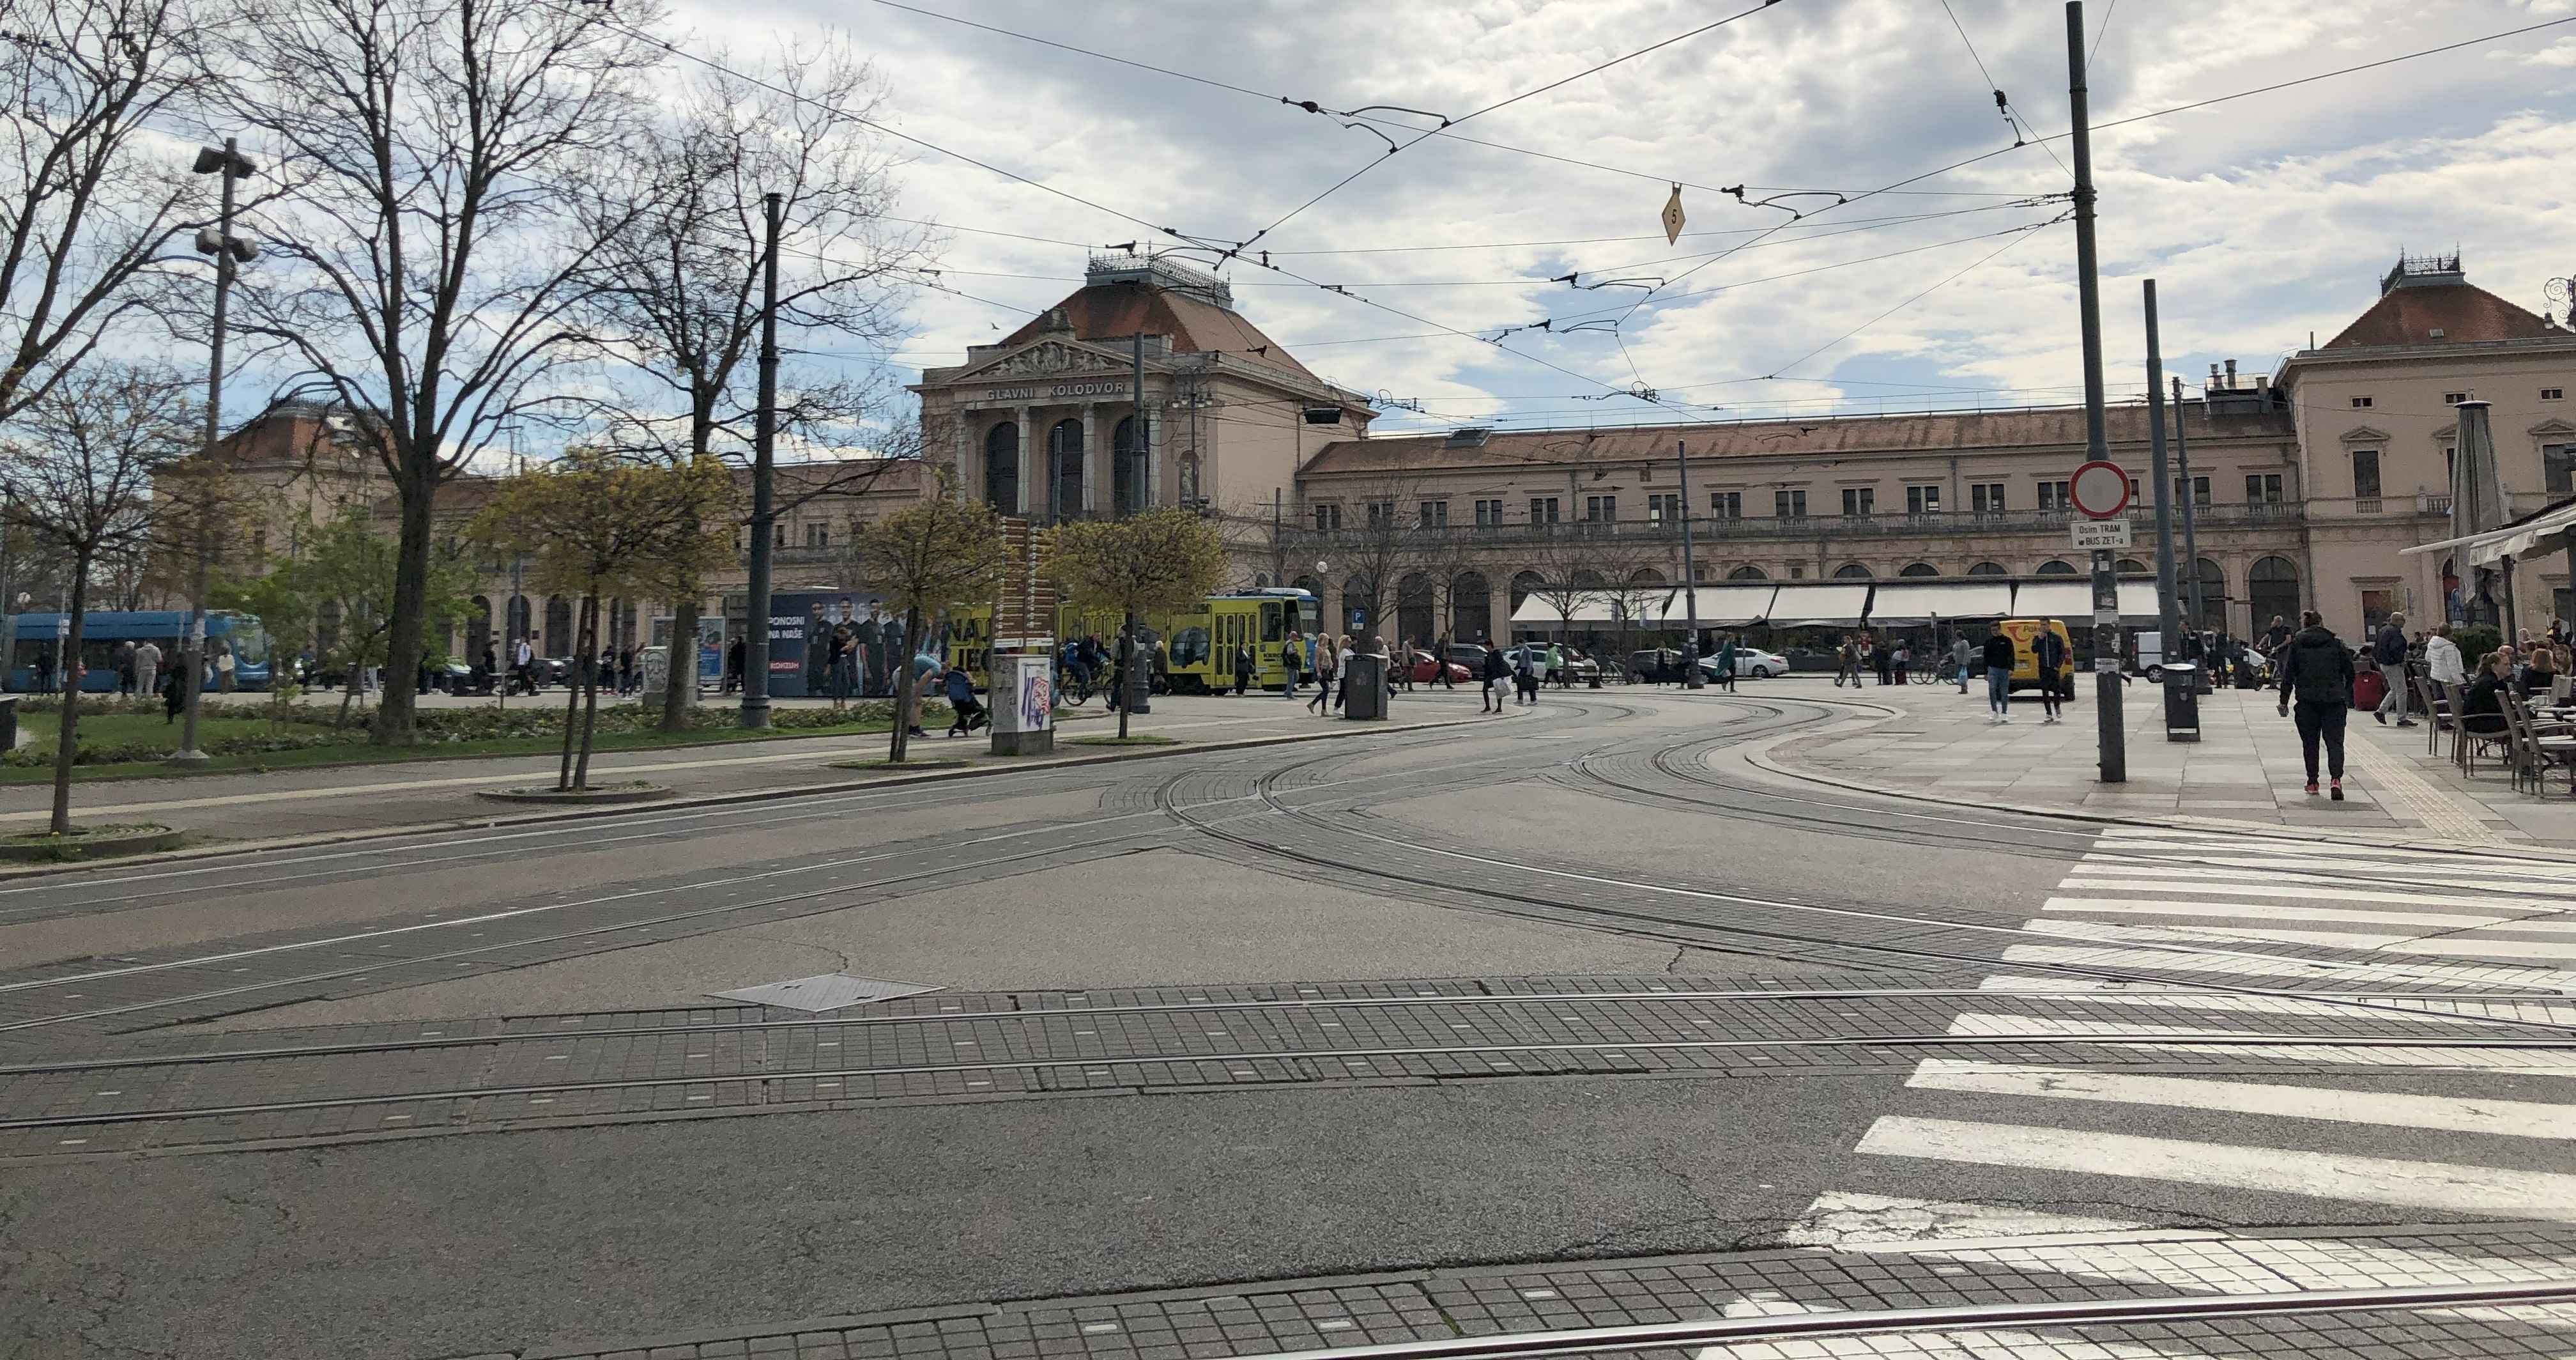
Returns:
<point x="2322" y="1133"/>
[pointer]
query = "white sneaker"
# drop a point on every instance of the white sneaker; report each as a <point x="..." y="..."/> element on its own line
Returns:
<point x="2003" y="722"/>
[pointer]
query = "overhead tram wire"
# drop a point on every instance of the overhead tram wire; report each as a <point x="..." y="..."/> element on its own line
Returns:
<point x="1963" y="272"/>
<point x="2003" y="104"/>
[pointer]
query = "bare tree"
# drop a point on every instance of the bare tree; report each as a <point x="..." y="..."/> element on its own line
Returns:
<point x="1573" y="563"/>
<point x="1377" y="543"/>
<point x="91" y="194"/>
<point x="77" y="478"/>
<point x="684" y="263"/>
<point x="448" y="164"/>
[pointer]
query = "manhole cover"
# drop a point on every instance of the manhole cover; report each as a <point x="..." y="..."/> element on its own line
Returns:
<point x="827" y="992"/>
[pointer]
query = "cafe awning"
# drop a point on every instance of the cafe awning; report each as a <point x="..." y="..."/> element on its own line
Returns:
<point x="1902" y="603"/>
<point x="1820" y="604"/>
<point x="2537" y="534"/>
<point x="1720" y="606"/>
<point x="2071" y="601"/>
<point x="1592" y="608"/>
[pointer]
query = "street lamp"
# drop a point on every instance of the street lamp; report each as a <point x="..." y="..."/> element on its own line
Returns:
<point x="227" y="250"/>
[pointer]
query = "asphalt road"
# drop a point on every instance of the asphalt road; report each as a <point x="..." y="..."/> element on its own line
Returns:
<point x="1609" y="841"/>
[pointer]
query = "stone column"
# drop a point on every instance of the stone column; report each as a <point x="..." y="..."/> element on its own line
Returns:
<point x="1028" y="455"/>
<point x="1154" y="492"/>
<point x="1090" y="457"/>
<point x="970" y="469"/>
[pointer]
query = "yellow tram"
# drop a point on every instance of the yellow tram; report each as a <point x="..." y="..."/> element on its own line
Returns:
<point x="1202" y="640"/>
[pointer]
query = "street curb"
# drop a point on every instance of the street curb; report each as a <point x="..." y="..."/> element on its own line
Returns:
<point x="1758" y="755"/>
<point x="10" y="873"/>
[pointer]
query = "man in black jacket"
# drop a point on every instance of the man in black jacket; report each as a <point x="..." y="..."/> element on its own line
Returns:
<point x="1999" y="668"/>
<point x="2316" y="672"/>
<point x="2389" y="650"/>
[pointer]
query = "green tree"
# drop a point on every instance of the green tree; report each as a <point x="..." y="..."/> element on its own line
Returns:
<point x="597" y="525"/>
<point x="340" y="591"/>
<point x="89" y="447"/>
<point x="940" y="553"/>
<point x="1162" y="559"/>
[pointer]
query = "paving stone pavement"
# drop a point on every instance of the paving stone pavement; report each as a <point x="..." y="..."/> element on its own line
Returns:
<point x="2245" y="767"/>
<point x="1287" y="1316"/>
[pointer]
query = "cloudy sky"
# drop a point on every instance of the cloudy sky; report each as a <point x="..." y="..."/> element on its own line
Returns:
<point x="2263" y="219"/>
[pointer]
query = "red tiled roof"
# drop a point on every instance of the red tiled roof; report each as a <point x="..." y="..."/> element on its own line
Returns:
<point x="1114" y="311"/>
<point x="2463" y="313"/>
<point x="1942" y="432"/>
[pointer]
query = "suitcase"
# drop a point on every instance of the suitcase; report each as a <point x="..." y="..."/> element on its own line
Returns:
<point x="2368" y="688"/>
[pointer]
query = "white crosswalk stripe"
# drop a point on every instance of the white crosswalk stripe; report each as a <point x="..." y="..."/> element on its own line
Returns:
<point x="2373" y="935"/>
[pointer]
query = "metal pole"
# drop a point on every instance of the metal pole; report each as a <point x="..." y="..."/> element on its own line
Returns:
<point x="764" y="511"/>
<point x="8" y="613"/>
<point x="1142" y="478"/>
<point x="2097" y="443"/>
<point x="192" y="677"/>
<point x="2161" y="477"/>
<point x="1138" y="680"/>
<point x="1690" y="575"/>
<point x="2190" y="530"/>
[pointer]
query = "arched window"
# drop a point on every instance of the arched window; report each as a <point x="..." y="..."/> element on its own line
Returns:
<point x="1413" y="610"/>
<point x="2056" y="568"/>
<point x="1920" y="569"/>
<point x="1471" y="603"/>
<point x="1064" y="469"/>
<point x="1127" y="468"/>
<point x="558" y="639"/>
<point x="2272" y="587"/>
<point x="2213" y="595"/>
<point x="1988" y="569"/>
<point x="1851" y="571"/>
<point x="2129" y="566"/>
<point x="1002" y="467"/>
<point x="1524" y="585"/>
<point x="1309" y="585"/>
<point x="517" y="626"/>
<point x="1646" y="576"/>
<point x="1588" y="579"/>
<point x="478" y="628"/>
<point x="1261" y="580"/>
<point x="1747" y="573"/>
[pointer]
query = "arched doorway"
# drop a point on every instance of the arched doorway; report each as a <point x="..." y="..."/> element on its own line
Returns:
<point x="1646" y="576"/>
<point x="1589" y="579"/>
<point x="2053" y="567"/>
<point x="1002" y="467"/>
<point x="1359" y="607"/>
<point x="2129" y="566"/>
<point x="1064" y="469"/>
<point x="1311" y="586"/>
<point x="2272" y="587"/>
<point x="1524" y="585"/>
<point x="1747" y="574"/>
<point x="478" y="628"/>
<point x="1920" y="569"/>
<point x="517" y="625"/>
<point x="2213" y="595"/>
<point x="1988" y="569"/>
<point x="1851" y="571"/>
<point x="1471" y="603"/>
<point x="1126" y="468"/>
<point x="1414" y="610"/>
<point x="557" y="639"/>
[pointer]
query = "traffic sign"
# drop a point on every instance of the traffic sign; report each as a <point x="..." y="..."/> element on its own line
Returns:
<point x="2100" y="533"/>
<point x="1673" y="218"/>
<point x="2099" y="489"/>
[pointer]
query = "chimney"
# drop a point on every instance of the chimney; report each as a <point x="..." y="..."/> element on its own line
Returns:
<point x="2213" y="377"/>
<point x="2231" y="375"/>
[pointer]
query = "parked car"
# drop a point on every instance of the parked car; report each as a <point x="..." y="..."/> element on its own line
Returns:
<point x="1583" y="668"/>
<point x="1755" y="663"/>
<point x="1426" y="669"/>
<point x="1468" y="654"/>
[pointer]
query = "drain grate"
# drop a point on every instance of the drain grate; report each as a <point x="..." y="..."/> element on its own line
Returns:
<point x="826" y="992"/>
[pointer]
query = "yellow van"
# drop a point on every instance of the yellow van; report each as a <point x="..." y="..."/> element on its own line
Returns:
<point x="2025" y="674"/>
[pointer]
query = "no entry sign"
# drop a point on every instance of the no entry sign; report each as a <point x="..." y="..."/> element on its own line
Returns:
<point x="2099" y="489"/>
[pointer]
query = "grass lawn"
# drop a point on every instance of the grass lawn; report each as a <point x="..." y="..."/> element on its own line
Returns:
<point x="122" y="728"/>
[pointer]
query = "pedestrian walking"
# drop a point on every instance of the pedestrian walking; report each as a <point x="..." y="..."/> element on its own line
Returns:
<point x="2388" y="650"/>
<point x="2277" y="636"/>
<point x="124" y="669"/>
<point x="1726" y="663"/>
<point x="2316" y="678"/>
<point x="1440" y="664"/>
<point x="626" y="671"/>
<point x="1497" y="671"/>
<point x="1242" y="670"/>
<point x="172" y="700"/>
<point x="1402" y="671"/>
<point x="1959" y="651"/>
<point x="1847" y="662"/>
<point x="1291" y="661"/>
<point x="1525" y="675"/>
<point x="223" y="668"/>
<point x="43" y="669"/>
<point x="733" y="667"/>
<point x="2049" y="650"/>
<point x="1328" y="664"/>
<point x="1881" y="658"/>
<point x="1999" y="669"/>
<point x="147" y="668"/>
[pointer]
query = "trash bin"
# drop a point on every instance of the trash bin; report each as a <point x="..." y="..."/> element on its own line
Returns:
<point x="2182" y="701"/>
<point x="1364" y="687"/>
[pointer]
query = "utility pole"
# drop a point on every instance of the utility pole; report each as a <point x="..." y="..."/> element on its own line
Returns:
<point x="2112" y="737"/>
<point x="764" y="491"/>
<point x="1137" y="679"/>
<point x="2190" y="499"/>
<point x="2161" y="470"/>
<point x="1690" y="575"/>
<point x="230" y="165"/>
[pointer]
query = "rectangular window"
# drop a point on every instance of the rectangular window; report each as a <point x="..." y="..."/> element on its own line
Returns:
<point x="1488" y="514"/>
<point x="2263" y="488"/>
<point x="2052" y="496"/>
<point x="1986" y="498"/>
<point x="1726" y="504"/>
<point x="1923" y="500"/>
<point x="1435" y="515"/>
<point x="1859" y="501"/>
<point x="2361" y="403"/>
<point x="1542" y="509"/>
<point x="2377" y="603"/>
<point x="1328" y="518"/>
<point x="2553" y="394"/>
<point x="1381" y="514"/>
<point x="2365" y="474"/>
<point x="2454" y="398"/>
<point x="1663" y="508"/>
<point x="778" y="534"/>
<point x="1789" y="504"/>
<point x="2199" y="490"/>
<point x="818" y="535"/>
<point x="1797" y="571"/>
<point x="2558" y="468"/>
<point x="1601" y="509"/>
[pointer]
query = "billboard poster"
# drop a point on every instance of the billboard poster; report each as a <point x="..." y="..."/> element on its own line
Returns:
<point x="801" y="626"/>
